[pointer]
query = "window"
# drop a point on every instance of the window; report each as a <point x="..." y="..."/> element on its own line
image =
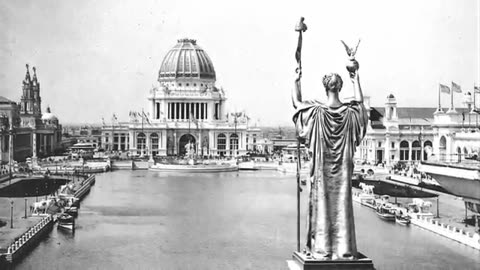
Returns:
<point x="379" y="144"/>
<point x="221" y="144"/>
<point x="233" y="144"/>
<point x="393" y="144"/>
<point x="141" y="140"/>
<point x="154" y="143"/>
<point x="404" y="151"/>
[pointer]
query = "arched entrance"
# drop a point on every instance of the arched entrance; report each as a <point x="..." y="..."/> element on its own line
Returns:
<point x="183" y="144"/>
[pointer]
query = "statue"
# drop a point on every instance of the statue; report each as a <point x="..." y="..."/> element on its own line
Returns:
<point x="333" y="130"/>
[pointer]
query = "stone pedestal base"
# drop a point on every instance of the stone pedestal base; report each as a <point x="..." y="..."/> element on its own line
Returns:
<point x="301" y="262"/>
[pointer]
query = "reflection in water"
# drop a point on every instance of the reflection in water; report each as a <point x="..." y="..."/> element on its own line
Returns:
<point x="238" y="220"/>
<point x="30" y="187"/>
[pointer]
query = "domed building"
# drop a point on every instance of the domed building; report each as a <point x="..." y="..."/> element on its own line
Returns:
<point x="185" y="108"/>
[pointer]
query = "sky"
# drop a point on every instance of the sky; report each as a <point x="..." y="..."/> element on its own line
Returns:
<point x="97" y="58"/>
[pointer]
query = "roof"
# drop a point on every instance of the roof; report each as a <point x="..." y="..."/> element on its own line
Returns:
<point x="410" y="112"/>
<point x="188" y="61"/>
<point x="4" y="100"/>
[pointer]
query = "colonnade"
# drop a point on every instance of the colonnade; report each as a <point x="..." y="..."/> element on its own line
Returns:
<point x="184" y="110"/>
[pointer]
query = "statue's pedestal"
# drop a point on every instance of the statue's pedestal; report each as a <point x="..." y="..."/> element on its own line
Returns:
<point x="301" y="262"/>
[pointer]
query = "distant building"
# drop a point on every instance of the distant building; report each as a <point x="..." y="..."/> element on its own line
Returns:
<point x="185" y="108"/>
<point x="411" y="134"/>
<point x="34" y="134"/>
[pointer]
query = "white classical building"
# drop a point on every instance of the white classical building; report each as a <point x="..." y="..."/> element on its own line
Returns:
<point x="184" y="107"/>
<point x="413" y="134"/>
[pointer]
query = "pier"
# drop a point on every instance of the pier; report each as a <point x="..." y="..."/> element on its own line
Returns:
<point x="25" y="230"/>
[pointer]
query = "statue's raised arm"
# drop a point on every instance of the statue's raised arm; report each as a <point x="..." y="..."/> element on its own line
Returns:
<point x="352" y="67"/>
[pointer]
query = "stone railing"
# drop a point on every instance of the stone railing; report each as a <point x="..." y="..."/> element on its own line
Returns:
<point x="22" y="240"/>
<point x="449" y="231"/>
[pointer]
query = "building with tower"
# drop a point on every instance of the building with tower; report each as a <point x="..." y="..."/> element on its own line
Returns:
<point x="413" y="134"/>
<point x="33" y="134"/>
<point x="185" y="109"/>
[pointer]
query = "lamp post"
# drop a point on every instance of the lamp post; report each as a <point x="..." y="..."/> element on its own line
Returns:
<point x="25" y="208"/>
<point x="11" y="214"/>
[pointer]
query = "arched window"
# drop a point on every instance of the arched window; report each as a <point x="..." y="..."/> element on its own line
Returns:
<point x="141" y="143"/>
<point x="459" y="154"/>
<point x="416" y="150"/>
<point x="404" y="151"/>
<point x="154" y="143"/>
<point x="443" y="148"/>
<point x="233" y="144"/>
<point x="221" y="144"/>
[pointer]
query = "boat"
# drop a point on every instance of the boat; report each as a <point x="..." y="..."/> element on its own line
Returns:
<point x="66" y="221"/>
<point x="366" y="197"/>
<point x="402" y="219"/>
<point x="248" y="166"/>
<point x="460" y="178"/>
<point x="385" y="212"/>
<point x="197" y="168"/>
<point x="72" y="210"/>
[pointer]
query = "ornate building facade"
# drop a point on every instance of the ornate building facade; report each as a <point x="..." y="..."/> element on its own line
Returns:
<point x="33" y="134"/>
<point x="412" y="134"/>
<point x="184" y="109"/>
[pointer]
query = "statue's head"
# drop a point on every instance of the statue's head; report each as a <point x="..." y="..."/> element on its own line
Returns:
<point x="332" y="82"/>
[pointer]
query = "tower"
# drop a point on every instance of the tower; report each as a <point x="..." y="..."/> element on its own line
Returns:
<point x="30" y="100"/>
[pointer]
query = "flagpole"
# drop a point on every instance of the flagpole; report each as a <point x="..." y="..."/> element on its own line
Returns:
<point x="451" y="99"/>
<point x="439" y="104"/>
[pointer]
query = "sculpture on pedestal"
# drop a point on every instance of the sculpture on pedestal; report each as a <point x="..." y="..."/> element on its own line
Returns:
<point x="332" y="130"/>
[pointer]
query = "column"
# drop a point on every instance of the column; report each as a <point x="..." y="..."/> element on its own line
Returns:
<point x="409" y="151"/>
<point x="211" y="141"/>
<point x="184" y="107"/>
<point x="387" y="149"/>
<point x="206" y="111"/>
<point x="152" y="110"/>
<point x="228" y="144"/>
<point x="174" y="142"/>
<point x="421" y="151"/>
<point x="147" y="144"/>
<point x="173" y="110"/>
<point x="200" y="144"/>
<point x="34" y="145"/>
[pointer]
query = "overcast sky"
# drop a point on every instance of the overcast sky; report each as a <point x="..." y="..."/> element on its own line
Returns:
<point x="96" y="58"/>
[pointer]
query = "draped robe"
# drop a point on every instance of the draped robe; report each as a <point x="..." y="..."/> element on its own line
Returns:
<point x="332" y="134"/>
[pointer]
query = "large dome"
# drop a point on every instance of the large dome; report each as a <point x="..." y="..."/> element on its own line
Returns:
<point x="186" y="60"/>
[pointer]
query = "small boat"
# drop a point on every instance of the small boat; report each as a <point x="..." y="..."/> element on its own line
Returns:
<point x="66" y="221"/>
<point x="248" y="166"/>
<point x="72" y="210"/>
<point x="385" y="212"/>
<point x="402" y="220"/>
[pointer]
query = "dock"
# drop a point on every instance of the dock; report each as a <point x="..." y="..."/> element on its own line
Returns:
<point x="28" y="230"/>
<point x="448" y="221"/>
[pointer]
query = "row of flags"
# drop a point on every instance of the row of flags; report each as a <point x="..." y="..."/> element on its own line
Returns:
<point x="457" y="88"/>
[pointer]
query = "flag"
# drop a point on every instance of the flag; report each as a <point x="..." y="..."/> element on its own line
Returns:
<point x="444" y="89"/>
<point x="193" y="119"/>
<point x="476" y="89"/>
<point x="456" y="88"/>
<point x="144" y="115"/>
